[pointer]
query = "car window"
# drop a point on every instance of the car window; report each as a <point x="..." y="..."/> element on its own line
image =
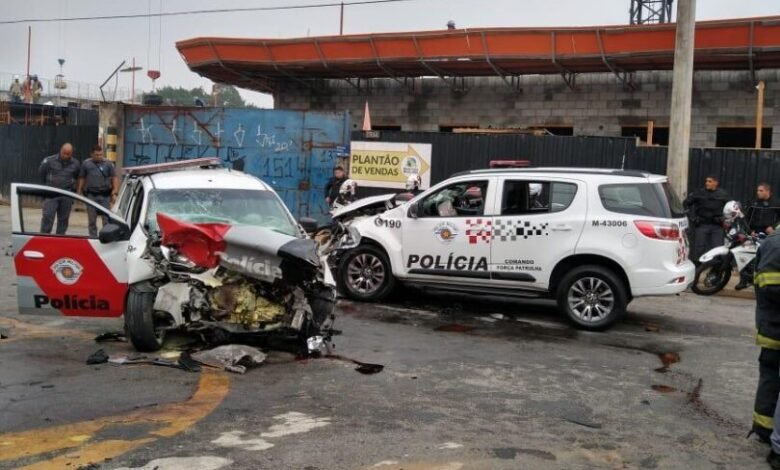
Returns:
<point x="136" y="204"/>
<point x="124" y="200"/>
<point x="230" y="206"/>
<point x="456" y="200"/>
<point x="647" y="199"/>
<point x="534" y="197"/>
<point x="43" y="212"/>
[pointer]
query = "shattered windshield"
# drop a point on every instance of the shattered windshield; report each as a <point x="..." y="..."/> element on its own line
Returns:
<point x="229" y="206"/>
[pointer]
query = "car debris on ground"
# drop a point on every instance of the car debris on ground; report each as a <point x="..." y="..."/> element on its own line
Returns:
<point x="232" y="358"/>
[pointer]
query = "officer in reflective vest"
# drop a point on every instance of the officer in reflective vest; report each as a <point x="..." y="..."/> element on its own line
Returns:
<point x="767" y="284"/>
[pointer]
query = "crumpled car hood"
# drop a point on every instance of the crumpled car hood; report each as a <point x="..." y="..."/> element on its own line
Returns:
<point x="256" y="252"/>
<point x="364" y="203"/>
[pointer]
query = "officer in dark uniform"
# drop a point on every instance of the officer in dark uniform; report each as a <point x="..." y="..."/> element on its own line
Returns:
<point x="767" y="284"/>
<point x="764" y="212"/>
<point x="98" y="182"/>
<point x="332" y="189"/>
<point x="58" y="171"/>
<point x="705" y="211"/>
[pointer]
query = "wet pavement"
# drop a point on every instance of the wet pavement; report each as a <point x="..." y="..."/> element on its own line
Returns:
<point x="467" y="383"/>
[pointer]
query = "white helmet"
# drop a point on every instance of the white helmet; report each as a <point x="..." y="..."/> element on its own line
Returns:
<point x="535" y="189"/>
<point x="348" y="187"/>
<point x="16" y="77"/>
<point x="413" y="182"/>
<point x="731" y="211"/>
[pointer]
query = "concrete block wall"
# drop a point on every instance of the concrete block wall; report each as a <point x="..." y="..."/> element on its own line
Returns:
<point x="599" y="104"/>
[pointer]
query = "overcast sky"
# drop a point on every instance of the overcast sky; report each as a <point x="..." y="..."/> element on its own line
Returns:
<point x="92" y="49"/>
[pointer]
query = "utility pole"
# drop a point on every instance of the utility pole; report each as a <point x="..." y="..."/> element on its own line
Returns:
<point x="341" y="20"/>
<point x="682" y="87"/>
<point x="759" y="113"/>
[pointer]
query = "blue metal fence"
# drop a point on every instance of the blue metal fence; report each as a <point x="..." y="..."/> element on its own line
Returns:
<point x="293" y="151"/>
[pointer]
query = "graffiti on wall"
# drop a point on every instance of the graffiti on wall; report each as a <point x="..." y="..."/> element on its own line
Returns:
<point x="295" y="152"/>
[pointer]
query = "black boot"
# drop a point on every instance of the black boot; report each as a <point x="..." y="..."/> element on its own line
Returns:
<point x="743" y="284"/>
<point x="774" y="460"/>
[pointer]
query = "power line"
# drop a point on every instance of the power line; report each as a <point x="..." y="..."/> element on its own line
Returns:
<point x="203" y="12"/>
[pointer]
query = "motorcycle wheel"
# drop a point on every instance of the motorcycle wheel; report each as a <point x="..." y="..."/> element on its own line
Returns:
<point x="711" y="278"/>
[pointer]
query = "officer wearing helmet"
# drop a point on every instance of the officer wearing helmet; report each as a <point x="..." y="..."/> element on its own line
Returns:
<point x="413" y="183"/>
<point x="766" y="417"/>
<point x="347" y="192"/>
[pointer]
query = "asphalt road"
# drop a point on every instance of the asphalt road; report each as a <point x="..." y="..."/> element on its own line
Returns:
<point x="468" y="383"/>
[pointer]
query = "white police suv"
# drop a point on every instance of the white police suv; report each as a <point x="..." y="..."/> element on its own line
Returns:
<point x="591" y="239"/>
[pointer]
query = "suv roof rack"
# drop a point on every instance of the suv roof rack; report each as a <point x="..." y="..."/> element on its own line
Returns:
<point x="205" y="163"/>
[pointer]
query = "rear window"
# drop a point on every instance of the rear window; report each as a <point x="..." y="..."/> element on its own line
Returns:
<point x="644" y="199"/>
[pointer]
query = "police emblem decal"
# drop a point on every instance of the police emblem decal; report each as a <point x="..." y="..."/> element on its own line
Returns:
<point x="67" y="271"/>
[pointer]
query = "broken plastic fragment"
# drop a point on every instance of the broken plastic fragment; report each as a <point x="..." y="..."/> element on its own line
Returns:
<point x="316" y="345"/>
<point x="98" y="357"/>
<point x="232" y="357"/>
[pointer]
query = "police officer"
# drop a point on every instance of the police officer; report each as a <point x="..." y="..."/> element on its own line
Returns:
<point x="767" y="283"/>
<point x="334" y="185"/>
<point x="705" y="211"/>
<point x="764" y="212"/>
<point x="58" y="171"/>
<point x="98" y="182"/>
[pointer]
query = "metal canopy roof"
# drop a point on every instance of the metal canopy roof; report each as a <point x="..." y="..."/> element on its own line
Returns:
<point x="738" y="44"/>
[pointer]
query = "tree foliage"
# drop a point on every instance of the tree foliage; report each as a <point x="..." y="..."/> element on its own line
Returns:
<point x="228" y="96"/>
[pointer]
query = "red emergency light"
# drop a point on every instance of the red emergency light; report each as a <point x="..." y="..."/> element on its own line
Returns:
<point x="510" y="163"/>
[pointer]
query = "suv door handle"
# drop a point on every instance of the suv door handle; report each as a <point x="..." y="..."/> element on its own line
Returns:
<point x="29" y="254"/>
<point x="561" y="228"/>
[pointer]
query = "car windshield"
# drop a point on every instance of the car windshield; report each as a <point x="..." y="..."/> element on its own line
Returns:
<point x="230" y="206"/>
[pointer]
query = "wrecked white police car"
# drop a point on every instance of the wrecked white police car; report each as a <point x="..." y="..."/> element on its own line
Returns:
<point x="590" y="239"/>
<point x="188" y="245"/>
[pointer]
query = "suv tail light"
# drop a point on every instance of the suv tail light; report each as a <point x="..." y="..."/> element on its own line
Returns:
<point x="658" y="230"/>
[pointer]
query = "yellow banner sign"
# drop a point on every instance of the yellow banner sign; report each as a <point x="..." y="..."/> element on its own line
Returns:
<point x="389" y="164"/>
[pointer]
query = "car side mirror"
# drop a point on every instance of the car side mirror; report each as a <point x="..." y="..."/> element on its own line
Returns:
<point x="308" y="224"/>
<point x="112" y="232"/>
<point x="414" y="210"/>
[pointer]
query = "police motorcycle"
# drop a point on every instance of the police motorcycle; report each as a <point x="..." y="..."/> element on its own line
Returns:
<point x="739" y="251"/>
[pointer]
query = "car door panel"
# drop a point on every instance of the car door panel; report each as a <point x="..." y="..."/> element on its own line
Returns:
<point x="70" y="275"/>
<point x="528" y="242"/>
<point x="450" y="249"/>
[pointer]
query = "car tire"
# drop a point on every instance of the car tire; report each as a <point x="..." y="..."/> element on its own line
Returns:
<point x="592" y="297"/>
<point x="139" y="321"/>
<point x="370" y="286"/>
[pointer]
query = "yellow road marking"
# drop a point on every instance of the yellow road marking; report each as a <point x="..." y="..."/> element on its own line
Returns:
<point x="166" y="421"/>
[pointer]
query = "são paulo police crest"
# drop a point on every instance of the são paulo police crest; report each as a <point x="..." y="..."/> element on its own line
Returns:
<point x="67" y="270"/>
<point x="445" y="232"/>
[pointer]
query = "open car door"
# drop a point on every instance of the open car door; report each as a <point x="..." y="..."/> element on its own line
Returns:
<point x="72" y="274"/>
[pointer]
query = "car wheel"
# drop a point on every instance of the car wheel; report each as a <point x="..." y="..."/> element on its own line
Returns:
<point x="365" y="274"/>
<point x="592" y="297"/>
<point x="139" y="321"/>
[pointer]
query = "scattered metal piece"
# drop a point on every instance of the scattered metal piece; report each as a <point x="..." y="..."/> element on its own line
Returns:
<point x="98" y="357"/>
<point x="117" y="336"/>
<point x="316" y="345"/>
<point x="582" y="422"/>
<point x="233" y="357"/>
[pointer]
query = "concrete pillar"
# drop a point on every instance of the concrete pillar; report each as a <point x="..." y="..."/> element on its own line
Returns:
<point x="682" y="86"/>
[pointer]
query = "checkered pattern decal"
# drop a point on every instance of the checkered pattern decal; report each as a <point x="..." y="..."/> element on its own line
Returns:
<point x="478" y="230"/>
<point x="513" y="229"/>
